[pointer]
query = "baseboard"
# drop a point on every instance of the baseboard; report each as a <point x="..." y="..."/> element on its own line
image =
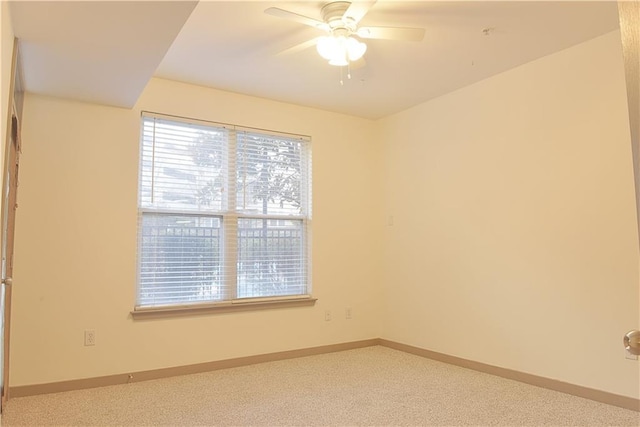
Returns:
<point x="80" y="384"/>
<point x="575" y="390"/>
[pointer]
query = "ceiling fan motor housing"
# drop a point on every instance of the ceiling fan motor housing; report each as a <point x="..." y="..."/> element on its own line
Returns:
<point x="333" y="15"/>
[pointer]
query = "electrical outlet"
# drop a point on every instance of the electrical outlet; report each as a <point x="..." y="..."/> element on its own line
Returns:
<point x="347" y="313"/>
<point x="327" y="315"/>
<point x="89" y="337"/>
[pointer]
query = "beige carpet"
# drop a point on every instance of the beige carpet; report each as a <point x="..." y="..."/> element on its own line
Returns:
<point x="371" y="386"/>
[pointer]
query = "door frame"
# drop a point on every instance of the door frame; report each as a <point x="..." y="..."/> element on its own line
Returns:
<point x="10" y="142"/>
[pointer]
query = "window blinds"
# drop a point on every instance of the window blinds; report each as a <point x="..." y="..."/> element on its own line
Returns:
<point x="224" y="213"/>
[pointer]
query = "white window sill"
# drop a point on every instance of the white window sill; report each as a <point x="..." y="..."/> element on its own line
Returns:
<point x="141" y="313"/>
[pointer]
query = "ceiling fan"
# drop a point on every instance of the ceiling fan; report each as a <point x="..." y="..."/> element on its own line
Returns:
<point x="340" y="20"/>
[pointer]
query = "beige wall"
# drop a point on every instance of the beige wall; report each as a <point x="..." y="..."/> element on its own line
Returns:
<point x="76" y="251"/>
<point x="514" y="239"/>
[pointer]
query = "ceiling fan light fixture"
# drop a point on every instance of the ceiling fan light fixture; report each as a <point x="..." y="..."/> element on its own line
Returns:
<point x="355" y="49"/>
<point x="339" y="61"/>
<point x="327" y="46"/>
<point x="339" y="50"/>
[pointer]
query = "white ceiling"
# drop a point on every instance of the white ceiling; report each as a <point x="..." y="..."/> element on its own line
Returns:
<point x="106" y="51"/>
<point x="98" y="51"/>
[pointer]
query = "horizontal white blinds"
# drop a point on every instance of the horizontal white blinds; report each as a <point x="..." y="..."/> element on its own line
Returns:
<point x="270" y="174"/>
<point x="271" y="258"/>
<point x="181" y="259"/>
<point x="224" y="213"/>
<point x="184" y="166"/>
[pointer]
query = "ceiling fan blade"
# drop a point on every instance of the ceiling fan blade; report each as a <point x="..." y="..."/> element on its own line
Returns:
<point x="358" y="9"/>
<point x="299" y="47"/>
<point x="281" y="13"/>
<point x="392" y="33"/>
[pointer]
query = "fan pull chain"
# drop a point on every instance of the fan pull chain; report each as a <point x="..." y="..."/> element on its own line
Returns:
<point x="342" y="73"/>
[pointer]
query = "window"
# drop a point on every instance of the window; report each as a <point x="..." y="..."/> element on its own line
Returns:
<point x="224" y="213"/>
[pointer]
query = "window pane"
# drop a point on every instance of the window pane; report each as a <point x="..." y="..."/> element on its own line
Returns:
<point x="270" y="258"/>
<point x="180" y="259"/>
<point x="269" y="179"/>
<point x="182" y="166"/>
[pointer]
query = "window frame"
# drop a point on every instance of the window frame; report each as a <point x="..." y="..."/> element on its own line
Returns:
<point x="230" y="215"/>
